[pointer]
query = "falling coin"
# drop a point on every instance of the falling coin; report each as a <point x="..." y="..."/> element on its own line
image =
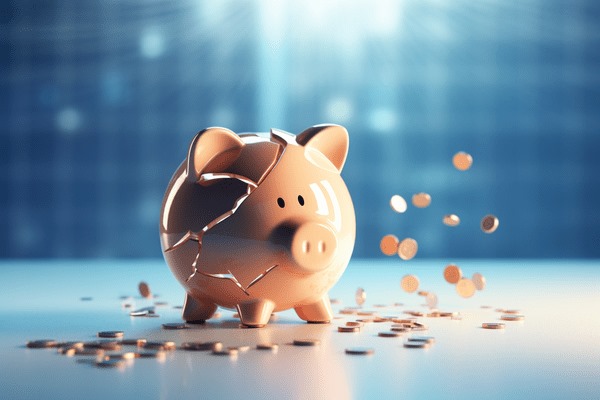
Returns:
<point x="110" y="334"/>
<point x="409" y="283"/>
<point x="432" y="300"/>
<point x="452" y="274"/>
<point x="389" y="245"/>
<point x="398" y="203"/>
<point x="361" y="351"/>
<point x="144" y="290"/>
<point x="407" y="248"/>
<point x="492" y="325"/>
<point x="360" y="296"/>
<point x="451" y="220"/>
<point x="465" y="288"/>
<point x="489" y="223"/>
<point x="348" y="329"/>
<point x="421" y="200"/>
<point x="175" y="325"/>
<point x="462" y="161"/>
<point x="512" y="317"/>
<point x="306" y="342"/>
<point x="41" y="344"/>
<point x="478" y="281"/>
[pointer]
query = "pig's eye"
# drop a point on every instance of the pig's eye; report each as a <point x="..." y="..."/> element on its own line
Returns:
<point x="301" y="200"/>
<point x="280" y="202"/>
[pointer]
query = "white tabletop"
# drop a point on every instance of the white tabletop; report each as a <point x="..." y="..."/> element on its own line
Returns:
<point x="553" y="354"/>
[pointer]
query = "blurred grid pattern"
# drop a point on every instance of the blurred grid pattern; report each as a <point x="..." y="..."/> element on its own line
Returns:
<point x="99" y="100"/>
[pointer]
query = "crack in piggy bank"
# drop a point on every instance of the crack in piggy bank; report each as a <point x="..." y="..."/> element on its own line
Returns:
<point x="197" y="237"/>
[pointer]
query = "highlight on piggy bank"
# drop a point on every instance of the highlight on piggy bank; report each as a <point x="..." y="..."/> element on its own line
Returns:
<point x="259" y="223"/>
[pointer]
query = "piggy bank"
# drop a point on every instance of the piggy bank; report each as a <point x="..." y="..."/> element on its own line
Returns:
<point x="259" y="224"/>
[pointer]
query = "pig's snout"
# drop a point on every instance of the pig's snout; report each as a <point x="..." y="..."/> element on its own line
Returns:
<point x="312" y="245"/>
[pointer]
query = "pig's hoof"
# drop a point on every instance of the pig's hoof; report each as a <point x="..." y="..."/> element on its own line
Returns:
<point x="196" y="321"/>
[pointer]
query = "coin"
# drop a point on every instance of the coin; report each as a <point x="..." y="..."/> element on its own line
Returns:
<point x="492" y="325"/>
<point x="366" y="313"/>
<point x="41" y="344"/>
<point x="144" y="289"/>
<point x="462" y="161"/>
<point x="416" y="345"/>
<point x="360" y="296"/>
<point x="226" y="352"/>
<point x="389" y="334"/>
<point x="175" y="325"/>
<point x="362" y="351"/>
<point x="120" y="356"/>
<point x="417" y="326"/>
<point x="134" y="342"/>
<point x="103" y="344"/>
<point x="354" y="324"/>
<point x="110" y="334"/>
<point x="512" y="317"/>
<point x="489" y="223"/>
<point x="452" y="274"/>
<point x="426" y="339"/>
<point x="201" y="346"/>
<point x="241" y="348"/>
<point x="407" y="248"/>
<point x="267" y="346"/>
<point x="465" y="288"/>
<point x="478" y="281"/>
<point x="85" y="352"/>
<point x="306" y="342"/>
<point x="421" y="200"/>
<point x="396" y="328"/>
<point x="389" y="245"/>
<point x="164" y="345"/>
<point x="110" y="363"/>
<point x="511" y="311"/>
<point x="398" y="203"/>
<point x="451" y="220"/>
<point x="150" y="354"/>
<point x="409" y="283"/>
<point x="432" y="300"/>
<point x="348" y="329"/>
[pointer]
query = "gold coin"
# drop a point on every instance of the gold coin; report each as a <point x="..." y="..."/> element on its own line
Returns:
<point x="478" y="280"/>
<point x="360" y="296"/>
<point x="465" y="288"/>
<point x="421" y="200"/>
<point x="489" y="223"/>
<point x="409" y="283"/>
<point x="452" y="274"/>
<point x="408" y="248"/>
<point x="398" y="203"/>
<point x="462" y="161"/>
<point x="389" y="245"/>
<point x="451" y="220"/>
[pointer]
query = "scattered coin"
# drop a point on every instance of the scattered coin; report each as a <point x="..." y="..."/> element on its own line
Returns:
<point x="448" y="314"/>
<point x="416" y="345"/>
<point x="409" y="283"/>
<point x="144" y="290"/>
<point x="138" y="313"/>
<point x="110" y="363"/>
<point x="103" y="344"/>
<point x="417" y="326"/>
<point x="432" y="300"/>
<point x="462" y="161"/>
<point x="306" y="342"/>
<point x="366" y="320"/>
<point x="362" y="351"/>
<point x="354" y="324"/>
<point x="348" y="329"/>
<point x="41" y="344"/>
<point x="489" y="223"/>
<point x="478" y="281"/>
<point x="512" y="317"/>
<point x="360" y="296"/>
<point x="492" y="325"/>
<point x="366" y="313"/>
<point x="164" y="345"/>
<point x="451" y="220"/>
<point x="465" y="288"/>
<point x="226" y="352"/>
<point x="426" y="339"/>
<point x="389" y="245"/>
<point x="389" y="334"/>
<point x="397" y="328"/>
<point x="398" y="203"/>
<point x="84" y="352"/>
<point x="175" y="325"/>
<point x="119" y="356"/>
<point x="110" y="334"/>
<point x="408" y="248"/>
<point x="421" y="200"/>
<point x="150" y="354"/>
<point x="201" y="346"/>
<point x="452" y="274"/>
<point x="134" y="342"/>
<point x="511" y="311"/>
<point x="267" y="346"/>
<point x="241" y="349"/>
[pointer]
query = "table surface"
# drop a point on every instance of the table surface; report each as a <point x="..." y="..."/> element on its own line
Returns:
<point x="553" y="354"/>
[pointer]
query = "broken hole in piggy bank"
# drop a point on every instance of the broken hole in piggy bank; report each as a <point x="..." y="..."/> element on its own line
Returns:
<point x="259" y="224"/>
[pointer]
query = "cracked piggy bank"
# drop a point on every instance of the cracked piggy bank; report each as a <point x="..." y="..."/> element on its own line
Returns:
<point x="259" y="224"/>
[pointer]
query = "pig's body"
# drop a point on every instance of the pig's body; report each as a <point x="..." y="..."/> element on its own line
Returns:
<point x="259" y="224"/>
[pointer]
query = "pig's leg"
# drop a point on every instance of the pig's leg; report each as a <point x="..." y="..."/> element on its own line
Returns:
<point x="255" y="313"/>
<point x="196" y="311"/>
<point x="316" y="313"/>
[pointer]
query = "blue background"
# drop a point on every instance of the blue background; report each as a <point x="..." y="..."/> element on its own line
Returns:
<point x="99" y="100"/>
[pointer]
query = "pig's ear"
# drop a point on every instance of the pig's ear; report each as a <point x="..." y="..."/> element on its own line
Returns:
<point x="212" y="150"/>
<point x="331" y="140"/>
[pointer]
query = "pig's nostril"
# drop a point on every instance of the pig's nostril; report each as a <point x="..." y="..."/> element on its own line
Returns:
<point x="305" y="246"/>
<point x="321" y="246"/>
